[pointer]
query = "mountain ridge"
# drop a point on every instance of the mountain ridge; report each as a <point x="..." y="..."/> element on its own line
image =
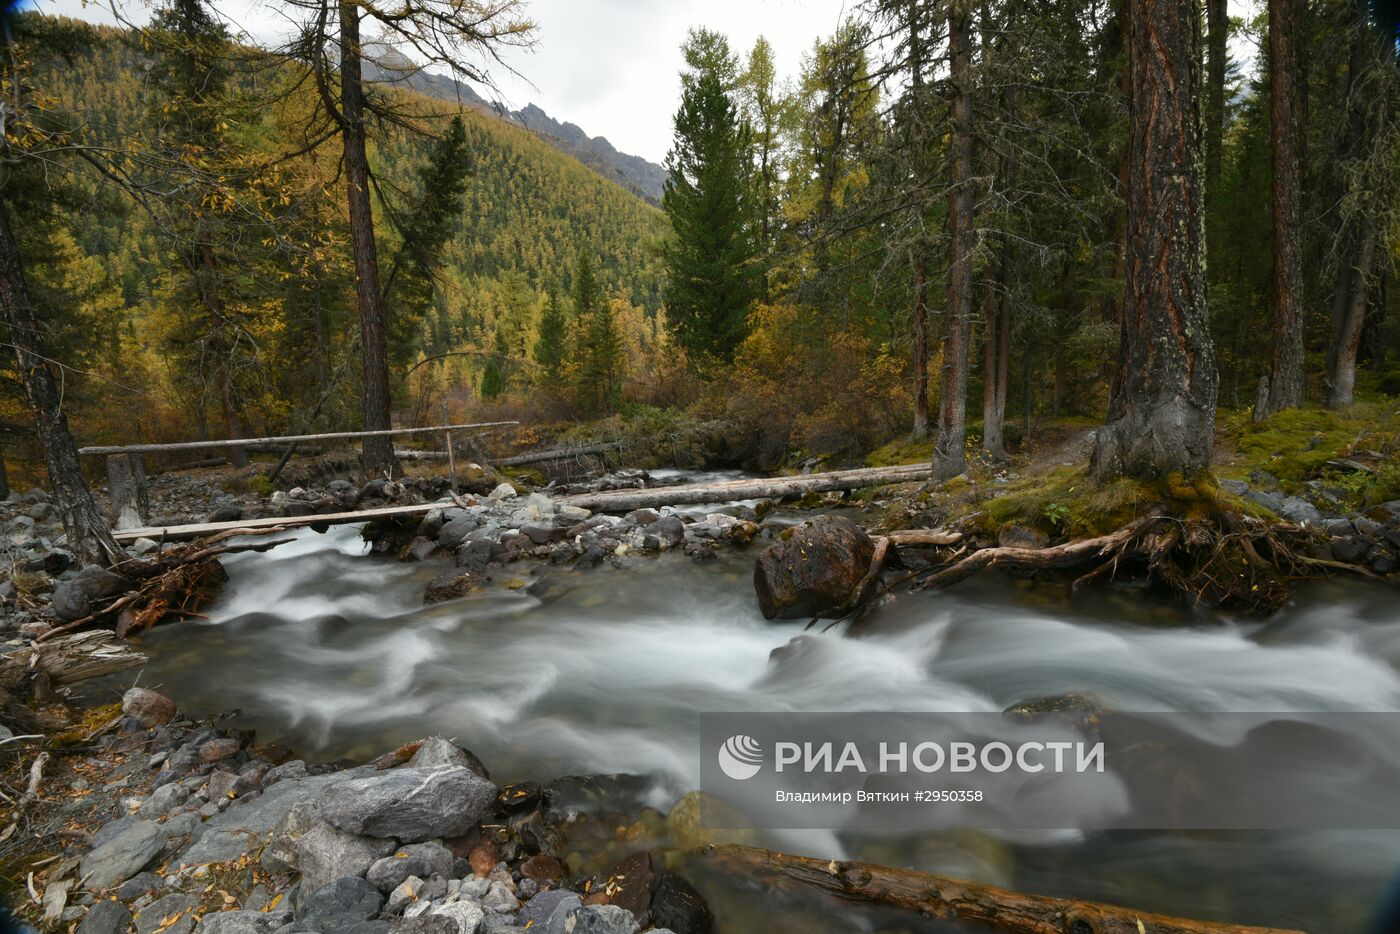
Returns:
<point x="385" y="64"/>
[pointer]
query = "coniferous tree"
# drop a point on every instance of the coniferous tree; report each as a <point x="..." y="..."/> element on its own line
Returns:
<point x="710" y="258"/>
<point x="552" y="347"/>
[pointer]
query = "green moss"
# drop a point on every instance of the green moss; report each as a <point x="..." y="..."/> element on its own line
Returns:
<point x="903" y="451"/>
<point x="92" y="721"/>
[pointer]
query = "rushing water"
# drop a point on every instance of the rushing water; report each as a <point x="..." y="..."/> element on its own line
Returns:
<point x="603" y="671"/>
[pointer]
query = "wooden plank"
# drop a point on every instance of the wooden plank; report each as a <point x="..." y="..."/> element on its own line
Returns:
<point x="275" y="439"/>
<point x="607" y="501"/>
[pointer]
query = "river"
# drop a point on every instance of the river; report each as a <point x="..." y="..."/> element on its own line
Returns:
<point x="603" y="670"/>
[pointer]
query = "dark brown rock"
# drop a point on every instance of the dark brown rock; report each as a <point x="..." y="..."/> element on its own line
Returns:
<point x="148" y="708"/>
<point x="542" y="868"/>
<point x="484" y="858"/>
<point x="814" y="567"/>
<point x="450" y="585"/>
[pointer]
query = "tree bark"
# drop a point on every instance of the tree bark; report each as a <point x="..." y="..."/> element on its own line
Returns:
<point x="1287" y="383"/>
<point x="996" y="350"/>
<point x="1342" y="392"/>
<point x="949" y="454"/>
<point x="88" y="535"/>
<point x="4" y="477"/>
<point x="212" y="301"/>
<point x="378" y="451"/>
<point x="1217" y="30"/>
<point x="920" y="349"/>
<point x="1162" y="419"/>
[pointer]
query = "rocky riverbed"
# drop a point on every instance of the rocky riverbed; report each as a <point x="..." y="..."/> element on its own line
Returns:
<point x="167" y="826"/>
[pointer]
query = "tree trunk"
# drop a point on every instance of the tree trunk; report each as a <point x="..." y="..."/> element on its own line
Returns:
<point x="1163" y="418"/>
<point x="221" y="355"/>
<point x="88" y="535"/>
<point x="1287" y="383"/>
<point x="996" y="349"/>
<point x="378" y="453"/>
<point x="4" y="477"/>
<point x="1217" y="27"/>
<point x="949" y="454"/>
<point x="1342" y="392"/>
<point x="920" y="350"/>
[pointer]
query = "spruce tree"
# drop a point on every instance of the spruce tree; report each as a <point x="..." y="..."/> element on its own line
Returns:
<point x="711" y="257"/>
<point x="552" y="347"/>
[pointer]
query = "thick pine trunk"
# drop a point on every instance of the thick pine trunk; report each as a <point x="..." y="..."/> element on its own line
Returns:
<point x="1342" y="392"/>
<point x="88" y="535"/>
<point x="920" y="349"/>
<point x="1287" y="382"/>
<point x="232" y="426"/>
<point x="1217" y="30"/>
<point x="1163" y="417"/>
<point x="949" y="454"/>
<point x="378" y="452"/>
<point x="996" y="352"/>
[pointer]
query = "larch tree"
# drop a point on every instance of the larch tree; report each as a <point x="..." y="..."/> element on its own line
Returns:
<point x="949" y="447"/>
<point x="1287" y="383"/>
<point x="454" y="34"/>
<point x="763" y="108"/>
<point x="1162" y="420"/>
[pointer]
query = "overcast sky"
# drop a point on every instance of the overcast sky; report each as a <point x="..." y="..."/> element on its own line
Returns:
<point x="611" y="66"/>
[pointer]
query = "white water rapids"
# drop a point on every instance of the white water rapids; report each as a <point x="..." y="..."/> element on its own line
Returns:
<point x="603" y="670"/>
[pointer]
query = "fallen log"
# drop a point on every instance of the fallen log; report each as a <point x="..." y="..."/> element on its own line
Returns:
<point x="558" y="454"/>
<point x="916" y="538"/>
<point x="756" y="488"/>
<point x="1070" y="554"/>
<point x="69" y="659"/>
<point x="948" y="899"/>
<point x="276" y="439"/>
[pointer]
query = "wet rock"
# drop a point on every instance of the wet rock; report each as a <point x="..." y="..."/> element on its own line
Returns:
<point x="106" y="917"/>
<point x="409" y="804"/>
<point x="454" y="532"/>
<point x="338" y="904"/>
<point x="602" y="919"/>
<point x="542" y="868"/>
<point x="123" y="856"/>
<point x="1350" y="549"/>
<point x="669" y="530"/>
<point x="518" y="796"/>
<point x="543" y="534"/>
<point x="814" y="568"/>
<point x="73" y="598"/>
<point x="325" y="854"/>
<point x="148" y="708"/>
<point x="475" y="555"/>
<point x="548" y="912"/>
<point x="228" y="512"/>
<point x="676" y="905"/>
<point x="415" y="859"/>
<point x="630" y="883"/>
<point x="156" y="918"/>
<point x="449" y="585"/>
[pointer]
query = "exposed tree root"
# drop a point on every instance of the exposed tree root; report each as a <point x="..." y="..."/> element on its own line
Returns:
<point x="984" y="907"/>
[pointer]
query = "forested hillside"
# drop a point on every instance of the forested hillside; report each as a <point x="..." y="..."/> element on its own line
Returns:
<point x="107" y="268"/>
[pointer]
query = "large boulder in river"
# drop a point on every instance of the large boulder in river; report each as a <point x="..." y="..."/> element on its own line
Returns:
<point x="73" y="598"/>
<point x="814" y="567"/>
<point x="409" y="804"/>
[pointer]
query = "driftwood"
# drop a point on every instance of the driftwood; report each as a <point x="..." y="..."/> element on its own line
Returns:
<point x="31" y="794"/>
<point x="760" y="488"/>
<point x="917" y="538"/>
<point x="69" y="659"/>
<point x="985" y="907"/>
<point x="1105" y="548"/>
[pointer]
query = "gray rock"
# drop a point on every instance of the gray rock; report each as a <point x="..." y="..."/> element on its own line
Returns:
<point x="326" y="855"/>
<point x="233" y="922"/>
<point x="164" y="799"/>
<point x="1350" y="549"/>
<point x="437" y="750"/>
<point x="143" y="883"/>
<point x="1237" y="487"/>
<point x="455" y="532"/>
<point x="642" y="517"/>
<point x="1295" y="509"/>
<point x="409" y="804"/>
<point x="669" y="530"/>
<point x="603" y="919"/>
<point x="110" y="830"/>
<point x="502" y="491"/>
<point x="73" y="598"/>
<point x="415" y="859"/>
<point x="500" y="898"/>
<point x="123" y="856"/>
<point x="106" y="917"/>
<point x="294" y="769"/>
<point x="475" y="555"/>
<point x="425" y="924"/>
<point x="407" y="891"/>
<point x="154" y="916"/>
<point x="339" y="904"/>
<point x="1270" y="501"/>
<point x="467" y="915"/>
<point x="548" y="912"/>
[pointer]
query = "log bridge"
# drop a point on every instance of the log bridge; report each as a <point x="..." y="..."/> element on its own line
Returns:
<point x="603" y="501"/>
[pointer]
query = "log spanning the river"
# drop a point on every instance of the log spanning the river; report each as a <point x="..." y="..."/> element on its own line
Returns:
<point x="609" y="501"/>
<point x="761" y="488"/>
<point x="983" y="907"/>
<point x="281" y="439"/>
